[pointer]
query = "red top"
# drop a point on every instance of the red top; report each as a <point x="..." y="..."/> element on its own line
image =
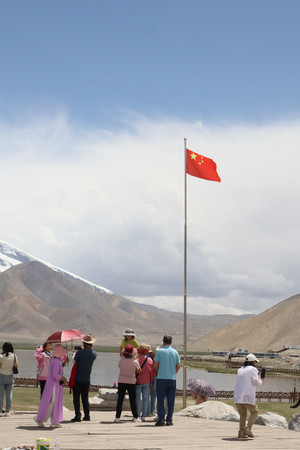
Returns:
<point x="147" y="373"/>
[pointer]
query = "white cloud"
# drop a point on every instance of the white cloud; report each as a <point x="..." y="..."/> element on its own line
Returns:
<point x="108" y="206"/>
<point x="47" y="236"/>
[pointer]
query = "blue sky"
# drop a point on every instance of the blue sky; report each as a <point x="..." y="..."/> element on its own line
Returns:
<point x="216" y="59"/>
<point x="95" y="100"/>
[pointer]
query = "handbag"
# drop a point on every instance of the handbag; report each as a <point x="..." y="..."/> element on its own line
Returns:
<point x="15" y="369"/>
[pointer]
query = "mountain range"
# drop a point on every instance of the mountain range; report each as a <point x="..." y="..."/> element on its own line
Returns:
<point x="37" y="298"/>
<point x="273" y="329"/>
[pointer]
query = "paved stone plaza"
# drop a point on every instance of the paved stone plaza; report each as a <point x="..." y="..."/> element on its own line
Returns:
<point x="102" y="433"/>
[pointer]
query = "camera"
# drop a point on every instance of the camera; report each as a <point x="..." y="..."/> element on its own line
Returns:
<point x="263" y="373"/>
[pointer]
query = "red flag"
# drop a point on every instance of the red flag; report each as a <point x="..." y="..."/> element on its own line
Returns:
<point x="201" y="167"/>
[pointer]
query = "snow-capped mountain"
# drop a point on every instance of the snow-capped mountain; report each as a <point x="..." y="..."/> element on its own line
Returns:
<point x="11" y="256"/>
<point x="37" y="299"/>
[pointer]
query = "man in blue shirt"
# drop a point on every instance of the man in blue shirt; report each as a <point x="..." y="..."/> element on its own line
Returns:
<point x="166" y="364"/>
<point x="84" y="358"/>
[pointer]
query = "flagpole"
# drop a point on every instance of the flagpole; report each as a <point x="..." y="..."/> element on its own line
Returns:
<point x="185" y="280"/>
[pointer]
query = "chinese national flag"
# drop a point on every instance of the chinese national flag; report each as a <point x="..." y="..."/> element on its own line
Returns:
<point x="201" y="167"/>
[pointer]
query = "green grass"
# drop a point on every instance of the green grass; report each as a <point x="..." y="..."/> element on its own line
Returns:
<point x="28" y="398"/>
<point x="210" y="366"/>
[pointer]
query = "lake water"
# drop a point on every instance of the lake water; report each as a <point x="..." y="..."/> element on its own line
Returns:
<point x="105" y="372"/>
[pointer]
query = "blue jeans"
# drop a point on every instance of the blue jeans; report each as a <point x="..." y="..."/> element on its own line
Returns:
<point x="6" y="385"/>
<point x="152" y="398"/>
<point x="142" y="395"/>
<point x="165" y="389"/>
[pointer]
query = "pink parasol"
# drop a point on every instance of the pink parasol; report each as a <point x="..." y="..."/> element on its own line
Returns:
<point x="65" y="336"/>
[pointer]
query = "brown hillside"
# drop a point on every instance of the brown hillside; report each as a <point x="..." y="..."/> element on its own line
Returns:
<point x="272" y="329"/>
<point x="35" y="301"/>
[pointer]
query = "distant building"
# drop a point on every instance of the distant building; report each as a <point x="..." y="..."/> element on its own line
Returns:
<point x="242" y="353"/>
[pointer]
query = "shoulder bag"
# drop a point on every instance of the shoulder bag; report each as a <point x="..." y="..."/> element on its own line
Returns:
<point x="145" y="360"/>
<point x="15" y="369"/>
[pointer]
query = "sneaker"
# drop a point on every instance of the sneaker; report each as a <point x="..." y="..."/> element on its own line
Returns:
<point x="136" y="419"/>
<point x="143" y="419"/>
<point x="86" y="419"/>
<point x="56" y="425"/>
<point x="169" y="424"/>
<point x="160" y="424"/>
<point x="6" y="414"/>
<point x="249" y="432"/>
<point x="40" y="424"/>
<point x="2" y="414"/>
<point x="117" y="420"/>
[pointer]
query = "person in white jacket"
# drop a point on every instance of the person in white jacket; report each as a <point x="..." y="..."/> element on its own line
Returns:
<point x="245" y="395"/>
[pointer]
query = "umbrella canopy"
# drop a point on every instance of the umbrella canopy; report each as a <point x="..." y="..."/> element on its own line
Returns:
<point x="65" y="336"/>
<point x="201" y="387"/>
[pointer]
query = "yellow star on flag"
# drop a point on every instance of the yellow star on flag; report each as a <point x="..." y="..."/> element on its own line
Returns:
<point x="200" y="166"/>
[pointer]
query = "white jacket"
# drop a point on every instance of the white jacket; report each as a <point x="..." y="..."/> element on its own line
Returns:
<point x="245" y="388"/>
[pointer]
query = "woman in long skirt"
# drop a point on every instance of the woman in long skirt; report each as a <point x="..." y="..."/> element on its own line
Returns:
<point x="51" y="405"/>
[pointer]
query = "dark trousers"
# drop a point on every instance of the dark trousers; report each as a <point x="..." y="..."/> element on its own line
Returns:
<point x="81" y="389"/>
<point x="165" y="389"/>
<point x="130" y="388"/>
<point x="42" y="386"/>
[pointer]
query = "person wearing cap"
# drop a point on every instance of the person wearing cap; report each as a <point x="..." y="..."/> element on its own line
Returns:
<point x="84" y="359"/>
<point x="245" y="395"/>
<point x="129" y="339"/>
<point x="129" y="368"/>
<point x="51" y="404"/>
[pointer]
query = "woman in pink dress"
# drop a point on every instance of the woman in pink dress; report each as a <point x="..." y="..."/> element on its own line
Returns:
<point x="51" y="405"/>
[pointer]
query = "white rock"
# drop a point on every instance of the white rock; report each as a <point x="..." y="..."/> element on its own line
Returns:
<point x="212" y="409"/>
<point x="272" y="420"/>
<point x="108" y="394"/>
<point x="294" y="423"/>
<point x="106" y="399"/>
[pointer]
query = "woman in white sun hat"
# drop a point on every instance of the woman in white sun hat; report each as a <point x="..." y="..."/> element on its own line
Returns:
<point x="245" y="395"/>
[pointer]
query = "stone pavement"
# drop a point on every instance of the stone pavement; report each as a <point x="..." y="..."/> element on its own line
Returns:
<point x="102" y="433"/>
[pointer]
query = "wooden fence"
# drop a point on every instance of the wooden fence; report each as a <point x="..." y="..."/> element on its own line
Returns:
<point x="32" y="382"/>
<point x="279" y="396"/>
<point x="259" y="395"/>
